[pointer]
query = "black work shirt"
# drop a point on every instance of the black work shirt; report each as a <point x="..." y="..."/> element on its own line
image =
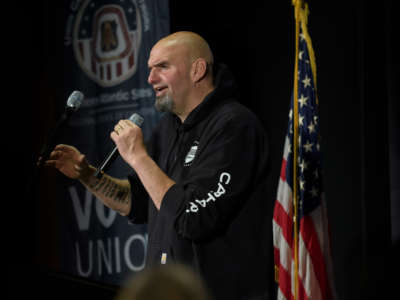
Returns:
<point x="214" y="217"/>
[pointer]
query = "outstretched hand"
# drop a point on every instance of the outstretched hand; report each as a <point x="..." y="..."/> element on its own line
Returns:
<point x="69" y="161"/>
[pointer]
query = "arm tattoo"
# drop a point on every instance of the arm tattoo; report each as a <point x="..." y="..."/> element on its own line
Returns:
<point x="122" y="195"/>
<point x="111" y="189"/>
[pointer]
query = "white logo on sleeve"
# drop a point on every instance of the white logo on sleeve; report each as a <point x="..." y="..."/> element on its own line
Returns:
<point x="212" y="196"/>
<point x="191" y="154"/>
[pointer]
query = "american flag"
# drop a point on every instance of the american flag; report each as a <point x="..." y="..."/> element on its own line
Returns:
<point x="315" y="276"/>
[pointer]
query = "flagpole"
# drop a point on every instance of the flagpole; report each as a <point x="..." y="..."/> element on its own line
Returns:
<point x="297" y="6"/>
<point x="303" y="271"/>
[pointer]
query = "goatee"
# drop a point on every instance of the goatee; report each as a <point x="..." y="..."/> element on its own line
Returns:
<point x="164" y="103"/>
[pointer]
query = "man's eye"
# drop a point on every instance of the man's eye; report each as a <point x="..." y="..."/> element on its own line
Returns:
<point x="162" y="65"/>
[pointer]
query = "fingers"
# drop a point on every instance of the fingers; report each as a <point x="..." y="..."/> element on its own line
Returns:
<point x="82" y="159"/>
<point x="65" y="148"/>
<point x="59" y="151"/>
<point x="55" y="154"/>
<point x="122" y="125"/>
<point x="113" y="136"/>
<point x="78" y="168"/>
<point x="127" y="123"/>
<point x="53" y="163"/>
<point x="118" y="129"/>
<point x="64" y="153"/>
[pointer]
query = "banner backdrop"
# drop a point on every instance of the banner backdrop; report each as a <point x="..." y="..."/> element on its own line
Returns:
<point x="106" y="47"/>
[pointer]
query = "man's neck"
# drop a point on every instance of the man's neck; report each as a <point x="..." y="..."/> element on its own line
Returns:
<point x="195" y="101"/>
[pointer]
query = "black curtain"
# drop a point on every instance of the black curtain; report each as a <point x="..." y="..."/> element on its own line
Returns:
<point x="392" y="48"/>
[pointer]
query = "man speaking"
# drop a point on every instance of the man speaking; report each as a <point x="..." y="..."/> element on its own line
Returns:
<point x="199" y="183"/>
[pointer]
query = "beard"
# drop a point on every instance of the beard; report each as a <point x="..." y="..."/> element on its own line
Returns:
<point x="164" y="103"/>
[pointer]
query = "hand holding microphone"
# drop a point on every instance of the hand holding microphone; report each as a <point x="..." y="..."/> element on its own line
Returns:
<point x="127" y="137"/>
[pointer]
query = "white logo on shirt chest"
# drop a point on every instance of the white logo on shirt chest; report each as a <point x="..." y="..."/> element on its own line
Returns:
<point x="191" y="154"/>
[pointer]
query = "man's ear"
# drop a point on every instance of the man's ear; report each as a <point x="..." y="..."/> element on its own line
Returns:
<point x="199" y="69"/>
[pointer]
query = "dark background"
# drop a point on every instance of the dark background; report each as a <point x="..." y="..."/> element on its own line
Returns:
<point x="358" y="83"/>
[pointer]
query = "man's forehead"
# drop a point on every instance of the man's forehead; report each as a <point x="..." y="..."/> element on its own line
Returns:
<point x="157" y="57"/>
<point x="165" y="51"/>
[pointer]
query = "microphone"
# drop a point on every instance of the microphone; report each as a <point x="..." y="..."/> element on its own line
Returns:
<point x="135" y="118"/>
<point x="73" y="103"/>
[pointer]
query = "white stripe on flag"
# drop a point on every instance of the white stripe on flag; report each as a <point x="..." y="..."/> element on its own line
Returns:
<point x="307" y="273"/>
<point x="284" y="197"/>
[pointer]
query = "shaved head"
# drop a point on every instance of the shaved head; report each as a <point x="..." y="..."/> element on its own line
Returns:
<point x="193" y="43"/>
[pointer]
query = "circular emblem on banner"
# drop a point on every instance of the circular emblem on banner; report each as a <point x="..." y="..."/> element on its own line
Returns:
<point x="106" y="40"/>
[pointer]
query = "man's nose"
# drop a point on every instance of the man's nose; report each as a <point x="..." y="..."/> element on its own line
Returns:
<point x="152" y="77"/>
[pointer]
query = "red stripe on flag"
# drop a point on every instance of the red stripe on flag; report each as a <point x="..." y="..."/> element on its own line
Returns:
<point x="302" y="291"/>
<point x="285" y="222"/>
<point x="283" y="170"/>
<point x="311" y="242"/>
<point x="285" y="282"/>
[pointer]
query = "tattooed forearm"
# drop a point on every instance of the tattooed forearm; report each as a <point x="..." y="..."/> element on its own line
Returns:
<point x="107" y="186"/>
<point x="113" y="192"/>
<point x="97" y="184"/>
<point x="111" y="189"/>
<point x="122" y="195"/>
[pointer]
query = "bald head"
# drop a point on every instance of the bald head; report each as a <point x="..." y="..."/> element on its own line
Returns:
<point x="193" y="43"/>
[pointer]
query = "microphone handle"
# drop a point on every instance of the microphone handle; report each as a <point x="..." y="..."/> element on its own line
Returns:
<point x="108" y="160"/>
<point x="136" y="119"/>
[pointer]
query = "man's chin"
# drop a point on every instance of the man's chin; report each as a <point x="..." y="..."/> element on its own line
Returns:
<point x="164" y="104"/>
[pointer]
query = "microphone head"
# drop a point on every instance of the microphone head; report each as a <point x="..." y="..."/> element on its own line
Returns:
<point x="137" y="119"/>
<point x="75" y="100"/>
